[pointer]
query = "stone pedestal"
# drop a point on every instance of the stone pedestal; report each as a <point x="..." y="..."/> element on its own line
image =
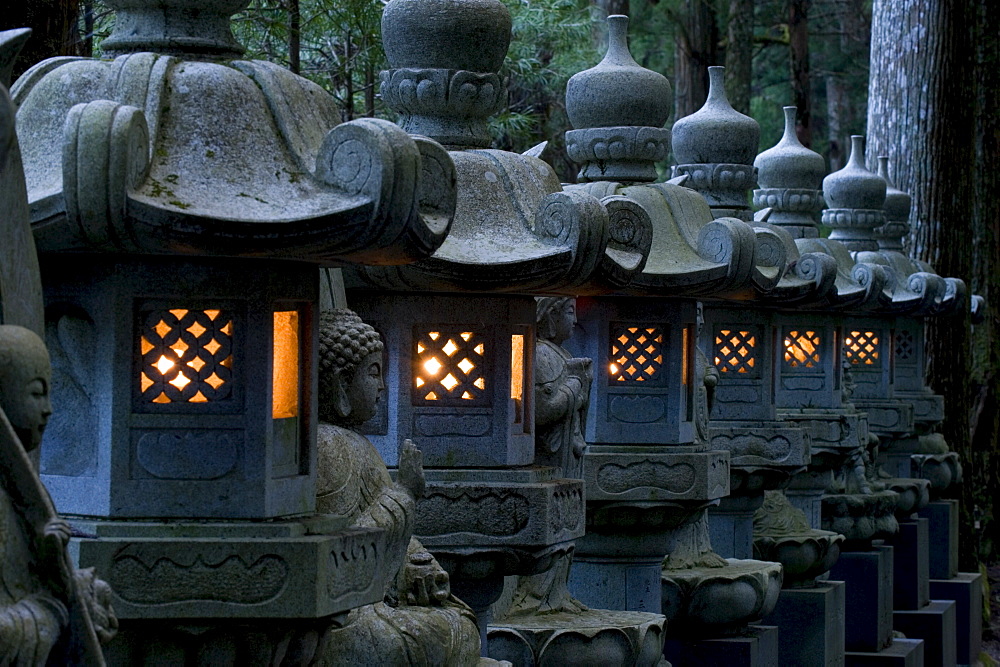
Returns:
<point x="966" y="589"/>
<point x="900" y="653"/>
<point x="730" y="525"/>
<point x="868" y="577"/>
<point x="943" y="536"/>
<point x="810" y="624"/>
<point x="805" y="492"/>
<point x="911" y="575"/>
<point x="484" y="525"/>
<point x="756" y="647"/>
<point x="935" y="623"/>
<point x="630" y="581"/>
<point x="636" y="498"/>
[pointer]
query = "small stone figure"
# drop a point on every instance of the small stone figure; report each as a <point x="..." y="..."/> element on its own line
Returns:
<point x="49" y="612"/>
<point x="419" y="621"/>
<point x="562" y="389"/>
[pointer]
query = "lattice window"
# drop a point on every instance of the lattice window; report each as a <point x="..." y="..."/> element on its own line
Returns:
<point x="187" y="356"/>
<point x="449" y="368"/>
<point x="802" y="348"/>
<point x="735" y="351"/>
<point x="861" y="348"/>
<point x="636" y="354"/>
<point x="905" y="348"/>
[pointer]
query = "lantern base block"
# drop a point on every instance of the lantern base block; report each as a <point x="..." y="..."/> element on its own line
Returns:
<point x="887" y="418"/>
<point x="309" y="568"/>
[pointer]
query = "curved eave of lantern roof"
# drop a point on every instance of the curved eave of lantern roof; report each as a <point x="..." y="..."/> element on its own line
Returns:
<point x="804" y="278"/>
<point x="859" y="285"/>
<point x="910" y="290"/>
<point x="692" y="254"/>
<point x="20" y="287"/>
<point x="516" y="231"/>
<point x="154" y="153"/>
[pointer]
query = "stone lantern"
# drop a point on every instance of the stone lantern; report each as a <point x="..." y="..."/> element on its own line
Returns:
<point x="650" y="470"/>
<point x="459" y="326"/>
<point x="180" y="253"/>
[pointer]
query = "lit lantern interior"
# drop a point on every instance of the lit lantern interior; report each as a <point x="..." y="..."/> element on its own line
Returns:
<point x="636" y="353"/>
<point x="517" y="376"/>
<point x="285" y="373"/>
<point x="734" y="351"/>
<point x="449" y="367"/>
<point x="186" y="356"/>
<point x="861" y="347"/>
<point x="802" y="349"/>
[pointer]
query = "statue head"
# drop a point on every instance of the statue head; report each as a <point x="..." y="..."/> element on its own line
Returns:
<point x="25" y="375"/>
<point x="350" y="368"/>
<point x="555" y="317"/>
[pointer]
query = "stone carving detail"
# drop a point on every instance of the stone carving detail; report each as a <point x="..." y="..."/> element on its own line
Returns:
<point x="465" y="425"/>
<point x="229" y="578"/>
<point x="352" y="570"/>
<point x="562" y="389"/>
<point x="638" y="354"/>
<point x="50" y="613"/>
<point x="105" y="158"/>
<point x="500" y="513"/>
<point x="614" y="478"/>
<point x="419" y="616"/>
<point x="460" y="95"/>
<point x="186" y="356"/>
<point x="70" y="337"/>
<point x="775" y="449"/>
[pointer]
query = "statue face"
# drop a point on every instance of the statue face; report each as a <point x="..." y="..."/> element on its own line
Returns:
<point x="25" y="400"/>
<point x="563" y="321"/>
<point x="365" y="388"/>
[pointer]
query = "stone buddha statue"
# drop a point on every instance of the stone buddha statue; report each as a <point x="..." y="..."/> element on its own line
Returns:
<point x="562" y="389"/>
<point x="419" y="622"/>
<point x="37" y="623"/>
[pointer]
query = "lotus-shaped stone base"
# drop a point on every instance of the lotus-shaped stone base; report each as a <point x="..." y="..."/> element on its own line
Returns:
<point x="942" y="470"/>
<point x="803" y="557"/>
<point x="593" y="637"/>
<point x="861" y="517"/>
<point x="914" y="494"/>
<point x="719" y="601"/>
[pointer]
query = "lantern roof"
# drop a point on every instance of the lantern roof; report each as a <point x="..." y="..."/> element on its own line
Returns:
<point x="515" y="229"/>
<point x="177" y="146"/>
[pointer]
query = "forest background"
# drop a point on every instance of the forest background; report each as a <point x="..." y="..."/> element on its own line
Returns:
<point x="921" y="78"/>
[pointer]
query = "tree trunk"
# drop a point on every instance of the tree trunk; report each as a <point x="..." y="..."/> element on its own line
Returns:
<point x="696" y="43"/>
<point x="836" y="106"/>
<point x="54" y="30"/>
<point x="739" y="54"/>
<point x="922" y="114"/>
<point x="798" y="48"/>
